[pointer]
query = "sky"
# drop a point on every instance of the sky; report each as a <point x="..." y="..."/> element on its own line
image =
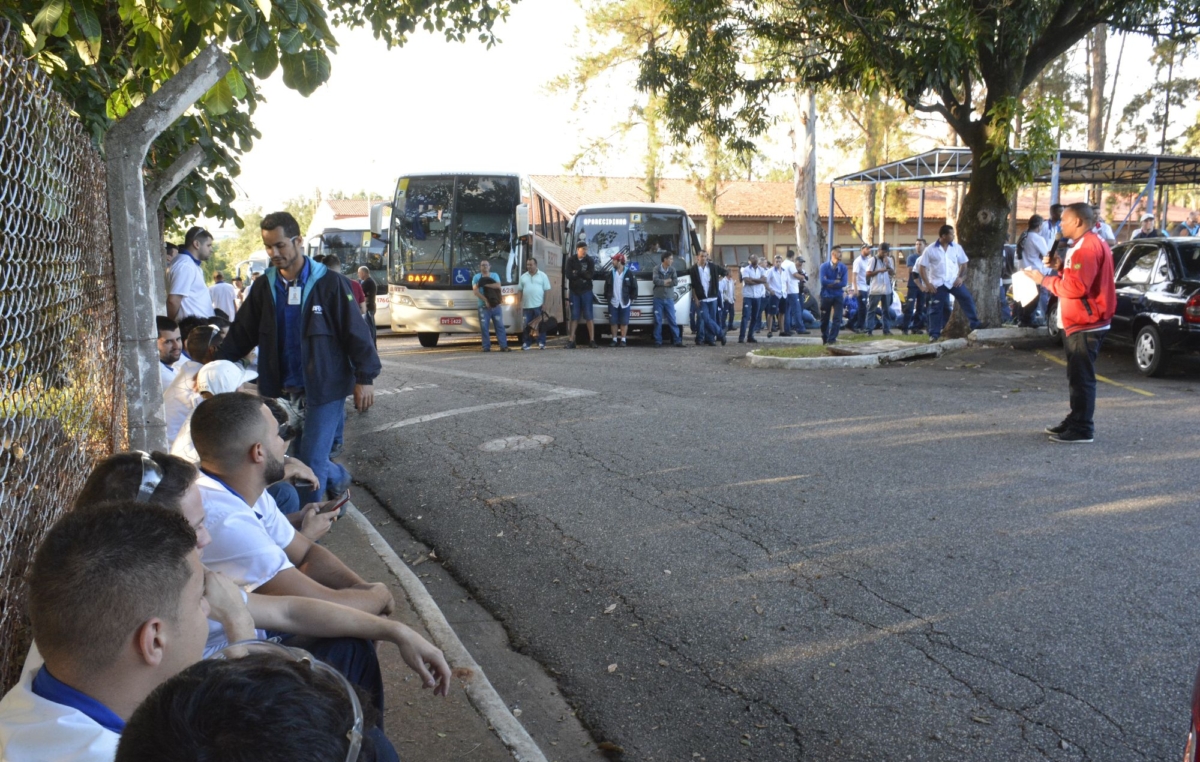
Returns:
<point x="435" y="105"/>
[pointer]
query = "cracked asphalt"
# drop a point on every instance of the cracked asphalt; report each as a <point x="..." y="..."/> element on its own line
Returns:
<point x="722" y="563"/>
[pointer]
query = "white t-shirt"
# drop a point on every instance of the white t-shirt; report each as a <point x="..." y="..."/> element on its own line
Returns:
<point x="943" y="264"/>
<point x="882" y="282"/>
<point x="757" y="291"/>
<point x="247" y="542"/>
<point x="180" y="398"/>
<point x="1034" y="248"/>
<point x="166" y="374"/>
<point x="860" y="274"/>
<point x="726" y="287"/>
<point x="705" y="281"/>
<point x="775" y="281"/>
<point x="34" y="729"/>
<point x="186" y="279"/>
<point x="793" y="285"/>
<point x="224" y="297"/>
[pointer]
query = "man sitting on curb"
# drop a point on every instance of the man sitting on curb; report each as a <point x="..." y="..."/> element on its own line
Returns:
<point x="117" y="602"/>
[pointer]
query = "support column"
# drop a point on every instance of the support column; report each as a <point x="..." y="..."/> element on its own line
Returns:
<point x="1054" y="171"/>
<point x="921" y="214"/>
<point x="125" y="148"/>
<point x="829" y="223"/>
<point x="1150" y="187"/>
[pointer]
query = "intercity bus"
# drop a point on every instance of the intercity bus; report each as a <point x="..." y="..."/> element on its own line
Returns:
<point x="442" y="226"/>
<point x="642" y="232"/>
<point x="355" y="247"/>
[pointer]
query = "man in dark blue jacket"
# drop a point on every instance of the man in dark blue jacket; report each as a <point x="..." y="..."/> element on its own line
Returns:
<point x="833" y="289"/>
<point x="314" y="348"/>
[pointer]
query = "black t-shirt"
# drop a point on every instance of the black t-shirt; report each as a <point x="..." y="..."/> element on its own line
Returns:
<point x="370" y="290"/>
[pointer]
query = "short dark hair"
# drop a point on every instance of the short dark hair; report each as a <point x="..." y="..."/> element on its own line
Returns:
<point x="1056" y="206"/>
<point x="195" y="234"/>
<point x="218" y="276"/>
<point x="944" y="229"/>
<point x="333" y="261"/>
<point x="1084" y="212"/>
<point x="189" y="323"/>
<point x="791" y="254"/>
<point x="171" y="247"/>
<point x="202" y="340"/>
<point x="284" y="220"/>
<point x="665" y="256"/>
<point x="262" y="707"/>
<point x="165" y="324"/>
<point x="1035" y="221"/>
<point x="118" y="477"/>
<point x="884" y="247"/>
<point x="101" y="573"/>
<point x="224" y="427"/>
<point x="581" y="245"/>
<point x="921" y="240"/>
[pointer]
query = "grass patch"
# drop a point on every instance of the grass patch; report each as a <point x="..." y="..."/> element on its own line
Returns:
<point x="819" y="350"/>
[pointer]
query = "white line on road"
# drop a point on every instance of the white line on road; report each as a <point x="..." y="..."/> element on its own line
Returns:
<point x="555" y="393"/>
<point x="402" y="389"/>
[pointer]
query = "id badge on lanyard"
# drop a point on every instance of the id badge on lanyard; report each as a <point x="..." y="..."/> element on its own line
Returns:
<point x="293" y="295"/>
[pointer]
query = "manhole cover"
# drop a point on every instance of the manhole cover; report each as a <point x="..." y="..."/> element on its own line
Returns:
<point x="509" y="444"/>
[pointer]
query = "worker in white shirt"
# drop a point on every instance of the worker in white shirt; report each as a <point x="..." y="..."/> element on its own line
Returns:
<point x="1052" y="228"/>
<point x="728" y="287"/>
<point x="861" y="290"/>
<point x="754" y="289"/>
<point x="776" y="297"/>
<point x="1102" y="228"/>
<point x="170" y="349"/>
<point x="224" y="296"/>
<point x="944" y="271"/>
<point x="1032" y="248"/>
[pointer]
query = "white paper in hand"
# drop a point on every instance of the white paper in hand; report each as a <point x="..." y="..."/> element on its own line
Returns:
<point x="1024" y="290"/>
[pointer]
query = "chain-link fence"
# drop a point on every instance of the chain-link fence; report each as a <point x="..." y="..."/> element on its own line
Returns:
<point x="60" y="402"/>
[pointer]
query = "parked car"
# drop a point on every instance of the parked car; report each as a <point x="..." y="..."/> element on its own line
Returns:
<point x="1158" y="300"/>
<point x="1190" y="752"/>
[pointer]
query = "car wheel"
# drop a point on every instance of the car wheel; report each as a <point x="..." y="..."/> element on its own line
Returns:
<point x="428" y="340"/>
<point x="1148" y="352"/>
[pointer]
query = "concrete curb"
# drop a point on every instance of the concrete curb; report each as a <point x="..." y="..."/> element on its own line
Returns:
<point x="1011" y="336"/>
<point x="790" y="340"/>
<point x="479" y="689"/>
<point x="856" y="361"/>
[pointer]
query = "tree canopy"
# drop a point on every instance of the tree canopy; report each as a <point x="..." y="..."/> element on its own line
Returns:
<point x="106" y="56"/>
<point x="967" y="60"/>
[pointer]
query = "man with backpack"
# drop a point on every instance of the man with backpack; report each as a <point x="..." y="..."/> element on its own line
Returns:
<point x="880" y="269"/>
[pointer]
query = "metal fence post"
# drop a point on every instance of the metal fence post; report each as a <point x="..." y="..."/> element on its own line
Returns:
<point x="126" y="145"/>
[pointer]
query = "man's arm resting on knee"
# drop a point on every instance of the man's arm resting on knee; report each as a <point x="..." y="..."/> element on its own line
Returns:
<point x="371" y="597"/>
<point x="318" y="618"/>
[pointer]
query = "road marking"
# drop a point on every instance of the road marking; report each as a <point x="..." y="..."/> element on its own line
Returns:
<point x="751" y="483"/>
<point x="554" y="393"/>
<point x="402" y="389"/>
<point x="1099" y="377"/>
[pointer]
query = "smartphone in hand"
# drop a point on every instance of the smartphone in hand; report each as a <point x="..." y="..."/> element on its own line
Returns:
<point x="337" y="504"/>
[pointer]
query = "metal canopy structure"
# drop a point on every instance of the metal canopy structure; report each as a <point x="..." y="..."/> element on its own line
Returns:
<point x="953" y="165"/>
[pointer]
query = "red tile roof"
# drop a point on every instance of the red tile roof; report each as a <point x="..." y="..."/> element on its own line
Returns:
<point x="349" y="207"/>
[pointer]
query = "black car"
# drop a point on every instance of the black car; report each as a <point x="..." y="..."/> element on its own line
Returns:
<point x="1158" y="300"/>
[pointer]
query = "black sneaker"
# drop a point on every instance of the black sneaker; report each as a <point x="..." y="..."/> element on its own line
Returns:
<point x="722" y="339"/>
<point x="786" y="334"/>
<point x="1072" y="437"/>
<point x="592" y="345"/>
<point x="1059" y="429"/>
<point x="570" y="345"/>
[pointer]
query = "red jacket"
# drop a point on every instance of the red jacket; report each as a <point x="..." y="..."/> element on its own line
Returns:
<point x="1086" y="289"/>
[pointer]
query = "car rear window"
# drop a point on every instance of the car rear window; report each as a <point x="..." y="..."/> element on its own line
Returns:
<point x="1190" y="254"/>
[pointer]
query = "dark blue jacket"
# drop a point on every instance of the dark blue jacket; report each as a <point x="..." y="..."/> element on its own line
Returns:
<point x="629" y="288"/>
<point x="833" y="280"/>
<point x="337" y="351"/>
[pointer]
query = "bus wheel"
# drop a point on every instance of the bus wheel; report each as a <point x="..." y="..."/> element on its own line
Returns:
<point x="428" y="340"/>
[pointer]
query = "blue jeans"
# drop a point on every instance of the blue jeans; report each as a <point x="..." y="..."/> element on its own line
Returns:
<point x="1006" y="313"/>
<point x="664" y="311"/>
<point x="939" y="309"/>
<point x="1082" y="348"/>
<point x="313" y="444"/>
<point x="494" y="315"/>
<point x="884" y="302"/>
<point x="726" y="318"/>
<point x="353" y="657"/>
<point x="581" y="307"/>
<point x="831" y="317"/>
<point x="286" y="496"/>
<point x="708" y="330"/>
<point x="795" y="314"/>
<point x="751" y="309"/>
<point x="914" y="310"/>
<point x="860" y="315"/>
<point x="531" y="315"/>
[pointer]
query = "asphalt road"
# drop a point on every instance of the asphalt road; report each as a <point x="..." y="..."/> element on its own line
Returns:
<point x="722" y="563"/>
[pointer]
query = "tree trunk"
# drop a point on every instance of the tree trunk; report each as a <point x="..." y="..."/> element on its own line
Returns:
<point x="982" y="224"/>
<point x="1098" y="39"/>
<point x="804" y="166"/>
<point x="652" y="163"/>
<point x="868" y="213"/>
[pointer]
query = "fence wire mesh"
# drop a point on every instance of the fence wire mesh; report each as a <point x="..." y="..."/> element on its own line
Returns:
<point x="60" y="401"/>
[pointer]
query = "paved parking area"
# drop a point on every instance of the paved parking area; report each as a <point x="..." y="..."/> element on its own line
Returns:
<point x="724" y="563"/>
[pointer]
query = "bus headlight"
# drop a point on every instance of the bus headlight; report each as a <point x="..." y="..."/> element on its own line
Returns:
<point x="510" y="299"/>
<point x="404" y="300"/>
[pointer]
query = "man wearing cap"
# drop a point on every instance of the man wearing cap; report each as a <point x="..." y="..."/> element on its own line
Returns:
<point x="1149" y="229"/>
<point x="186" y="292"/>
<point x="217" y="377"/>
<point x="706" y="291"/>
<point x="581" y="270"/>
<point x="620" y="289"/>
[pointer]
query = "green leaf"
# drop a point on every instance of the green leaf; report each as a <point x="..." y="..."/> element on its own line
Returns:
<point x="306" y="71"/>
<point x="190" y="39"/>
<point x="266" y="61"/>
<point x="200" y="10"/>
<point x="89" y="24"/>
<point x="48" y="17"/>
<point x="265" y="7"/>
<point x="237" y="85"/>
<point x="291" y="40"/>
<point x="219" y="99"/>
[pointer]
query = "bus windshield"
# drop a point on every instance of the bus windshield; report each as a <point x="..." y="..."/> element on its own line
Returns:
<point x="355" y="249"/>
<point x="641" y="236"/>
<point x="444" y="226"/>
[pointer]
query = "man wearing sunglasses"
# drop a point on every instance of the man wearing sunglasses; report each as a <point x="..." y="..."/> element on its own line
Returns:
<point x="314" y="348"/>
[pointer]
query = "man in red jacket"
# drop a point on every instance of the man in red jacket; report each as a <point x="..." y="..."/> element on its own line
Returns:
<point x="1087" y="299"/>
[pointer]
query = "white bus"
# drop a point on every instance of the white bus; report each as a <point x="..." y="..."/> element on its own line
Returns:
<point x="351" y="240"/>
<point x="443" y="226"/>
<point x="642" y="232"/>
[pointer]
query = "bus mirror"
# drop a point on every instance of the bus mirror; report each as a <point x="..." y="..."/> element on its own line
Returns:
<point x="522" y="220"/>
<point x="377" y="218"/>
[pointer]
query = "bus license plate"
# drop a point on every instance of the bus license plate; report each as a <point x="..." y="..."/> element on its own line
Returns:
<point x="635" y="313"/>
<point x="451" y="321"/>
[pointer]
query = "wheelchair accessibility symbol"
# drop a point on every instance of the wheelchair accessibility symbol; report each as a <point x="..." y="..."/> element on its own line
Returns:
<point x="462" y="276"/>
